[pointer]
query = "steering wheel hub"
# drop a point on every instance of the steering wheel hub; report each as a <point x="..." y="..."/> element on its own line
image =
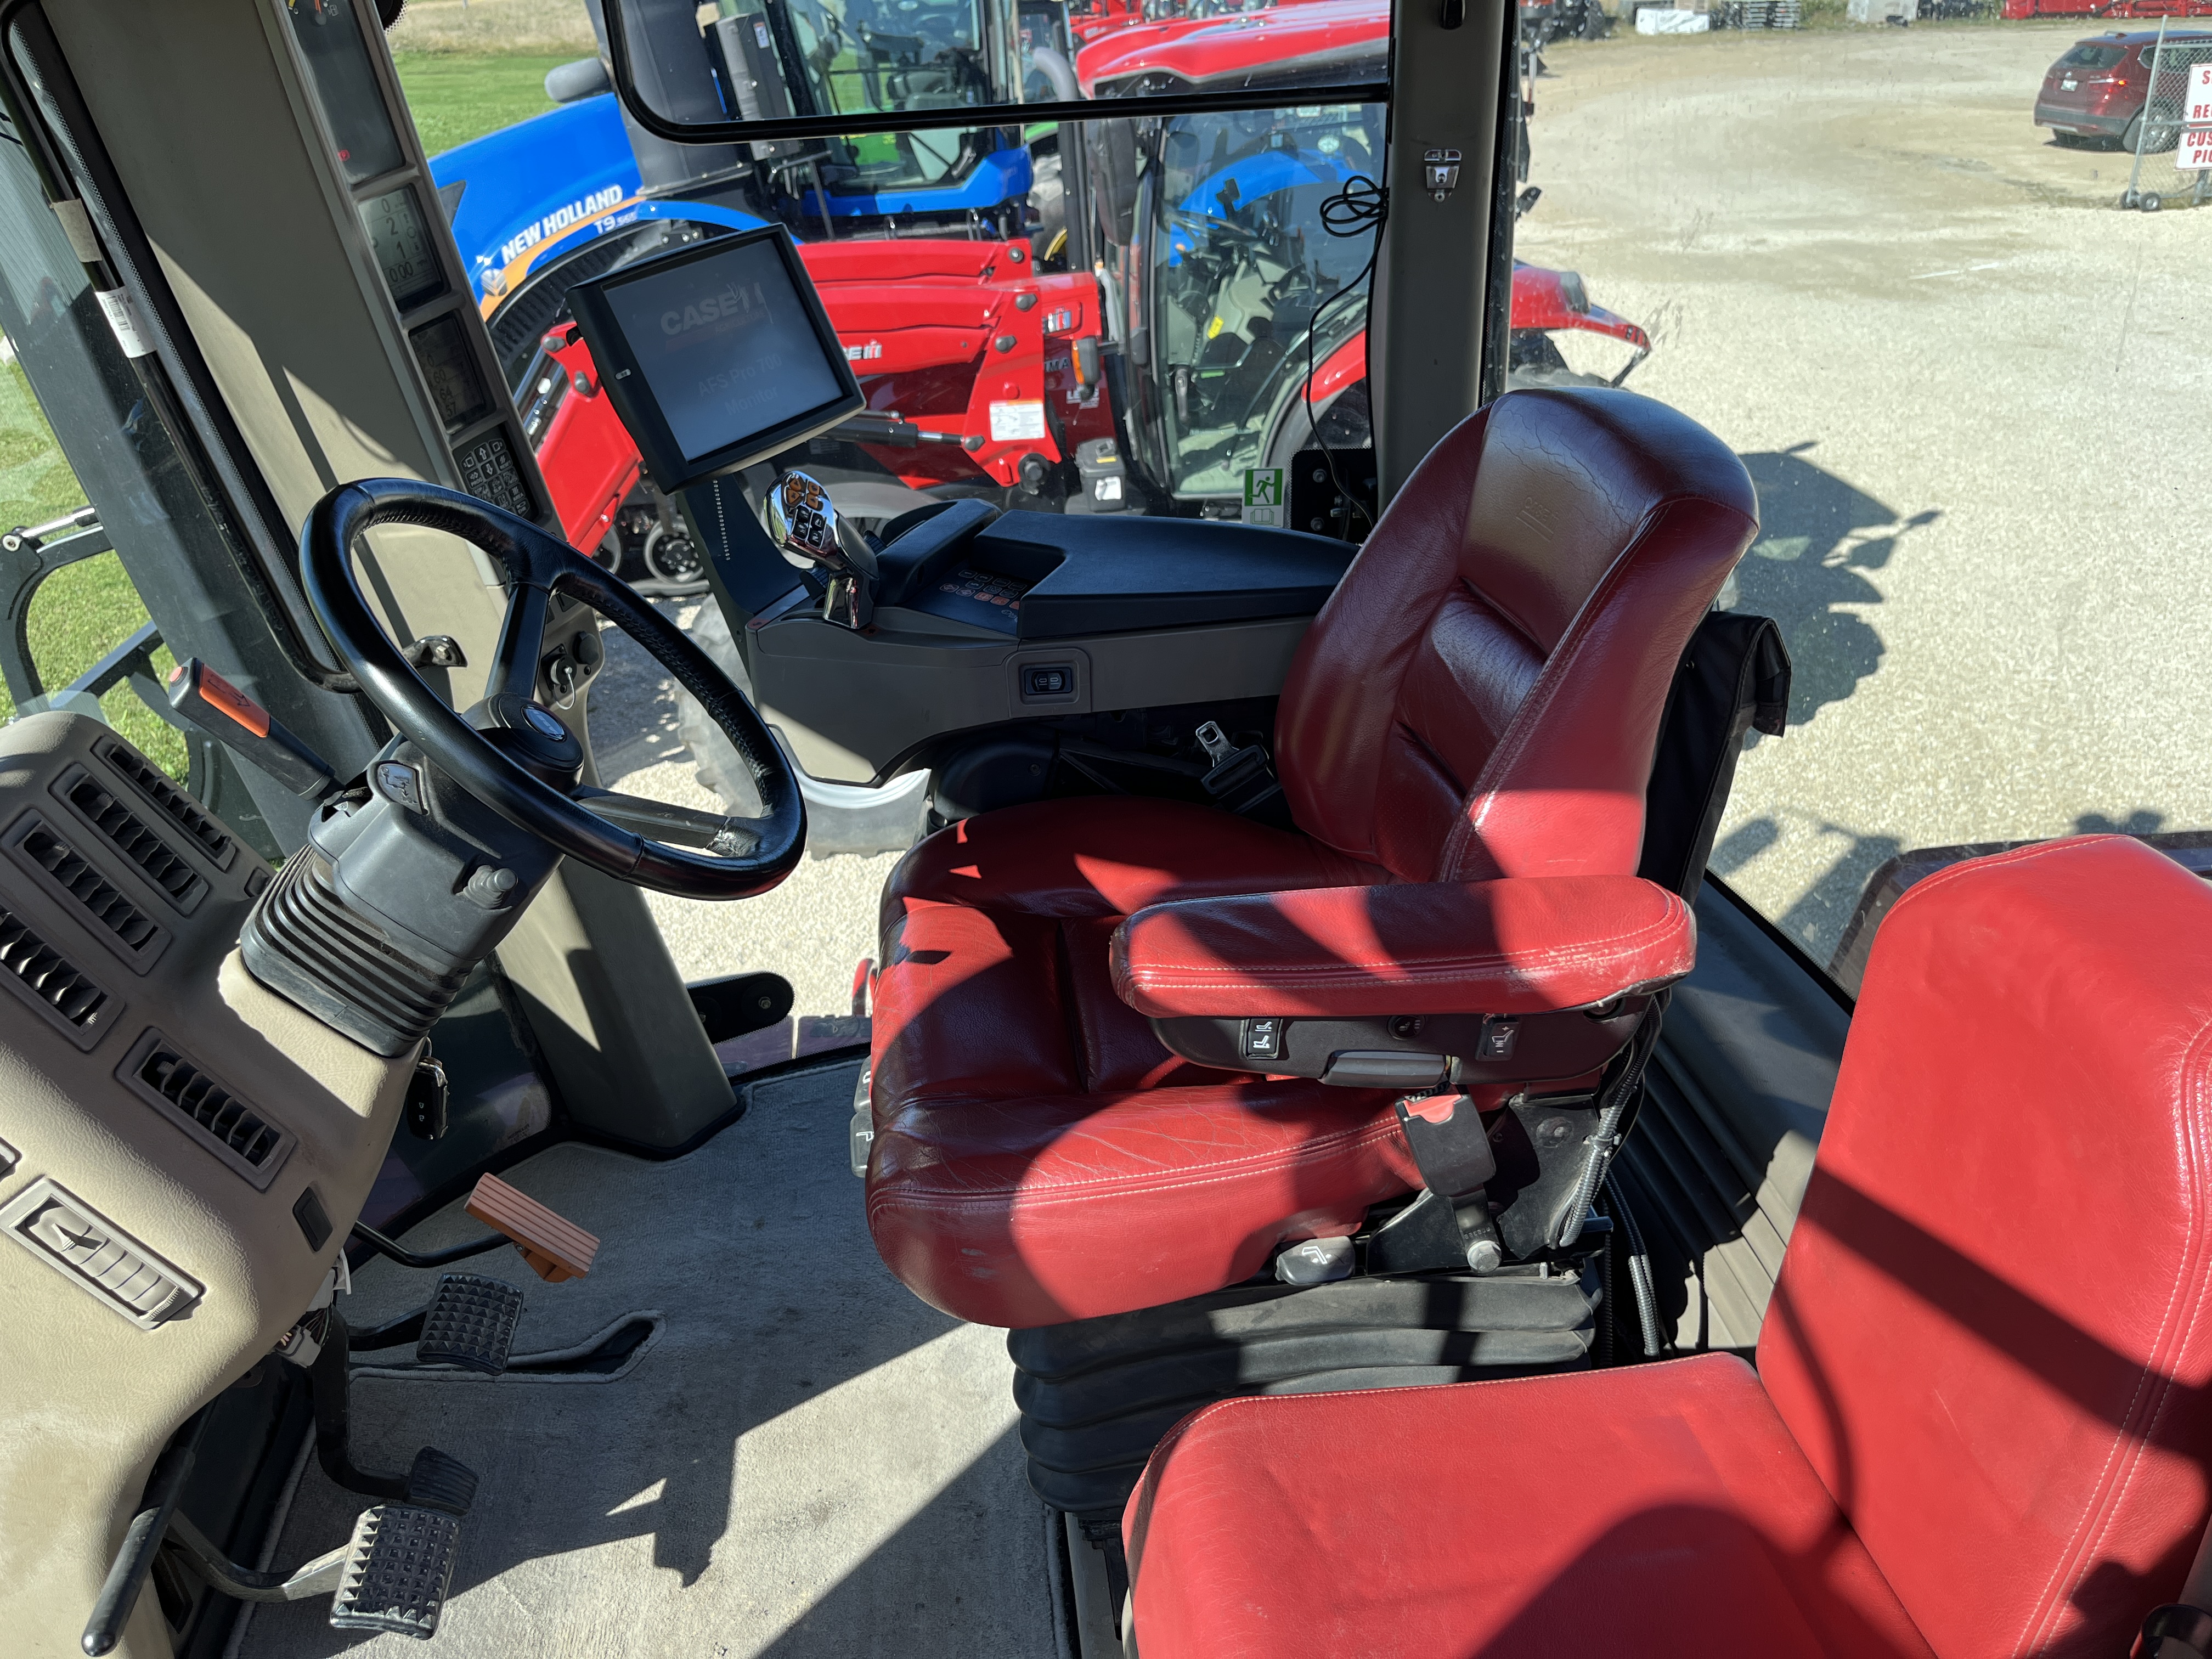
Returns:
<point x="513" y="754"/>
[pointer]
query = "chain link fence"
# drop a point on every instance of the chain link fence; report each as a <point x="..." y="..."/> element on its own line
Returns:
<point x="2172" y="137"/>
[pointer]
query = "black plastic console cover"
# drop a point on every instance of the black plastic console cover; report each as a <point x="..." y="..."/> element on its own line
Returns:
<point x="1115" y="574"/>
<point x="1465" y="1048"/>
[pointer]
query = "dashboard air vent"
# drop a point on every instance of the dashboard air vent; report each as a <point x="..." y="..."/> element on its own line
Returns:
<point x="133" y="837"/>
<point x="51" y="983"/>
<point x="79" y="878"/>
<point x="187" y="814"/>
<point x="205" y="1108"/>
<point x="96" y="1255"/>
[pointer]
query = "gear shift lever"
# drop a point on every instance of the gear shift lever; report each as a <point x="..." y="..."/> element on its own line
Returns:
<point x="807" y="527"/>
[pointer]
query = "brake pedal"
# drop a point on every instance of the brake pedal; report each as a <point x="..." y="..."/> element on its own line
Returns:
<point x="469" y="1323"/>
<point x="397" y="1570"/>
<point x="554" y="1247"/>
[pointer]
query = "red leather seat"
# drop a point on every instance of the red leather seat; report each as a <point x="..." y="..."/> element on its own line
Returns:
<point x="1481" y="698"/>
<point x="1978" y="1423"/>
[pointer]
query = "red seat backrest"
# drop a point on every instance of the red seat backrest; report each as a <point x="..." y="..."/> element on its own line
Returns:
<point x="1992" y="1333"/>
<point x="1481" y="695"/>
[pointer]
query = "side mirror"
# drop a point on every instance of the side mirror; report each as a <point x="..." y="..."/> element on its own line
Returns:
<point x="571" y="83"/>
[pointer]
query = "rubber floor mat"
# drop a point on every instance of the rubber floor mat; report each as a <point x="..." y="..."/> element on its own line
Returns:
<point x="805" y="1460"/>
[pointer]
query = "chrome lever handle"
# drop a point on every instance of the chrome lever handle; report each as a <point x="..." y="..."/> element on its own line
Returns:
<point x="808" y="530"/>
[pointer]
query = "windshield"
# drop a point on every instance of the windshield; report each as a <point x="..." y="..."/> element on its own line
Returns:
<point x="846" y="57"/>
<point x="1243" y="264"/>
<point x="863" y="55"/>
<point x="2092" y="56"/>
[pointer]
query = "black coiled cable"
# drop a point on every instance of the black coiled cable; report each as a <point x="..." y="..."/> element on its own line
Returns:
<point x="1361" y="205"/>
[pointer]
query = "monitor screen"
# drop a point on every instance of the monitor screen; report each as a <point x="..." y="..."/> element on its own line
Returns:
<point x="717" y="356"/>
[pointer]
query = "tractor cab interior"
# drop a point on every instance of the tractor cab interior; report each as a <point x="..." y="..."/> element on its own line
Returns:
<point x="1318" y="1158"/>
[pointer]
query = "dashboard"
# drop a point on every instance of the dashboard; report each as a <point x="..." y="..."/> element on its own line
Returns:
<point x="181" y="1150"/>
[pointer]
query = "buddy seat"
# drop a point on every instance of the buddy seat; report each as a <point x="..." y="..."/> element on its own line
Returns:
<point x="1978" y="1424"/>
<point x="1079" y="1108"/>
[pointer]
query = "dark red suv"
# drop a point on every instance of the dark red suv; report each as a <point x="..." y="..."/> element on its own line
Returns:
<point x="2099" y="88"/>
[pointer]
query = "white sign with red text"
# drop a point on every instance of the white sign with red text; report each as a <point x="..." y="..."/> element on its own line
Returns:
<point x="2195" y="153"/>
<point x="2198" y="106"/>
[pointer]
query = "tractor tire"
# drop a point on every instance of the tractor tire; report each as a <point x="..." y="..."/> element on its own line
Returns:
<point x="673" y="562"/>
<point x="839" y="817"/>
<point x="712" y="753"/>
<point x="1049" y="197"/>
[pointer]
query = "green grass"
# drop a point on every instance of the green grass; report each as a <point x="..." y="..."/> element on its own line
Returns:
<point x="36" y="483"/>
<point x="485" y="29"/>
<point x="86" y="611"/>
<point x="81" y="612"/>
<point x="456" y="97"/>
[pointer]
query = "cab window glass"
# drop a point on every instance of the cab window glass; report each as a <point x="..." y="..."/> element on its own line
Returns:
<point x="865" y="55"/>
<point x="1243" y="265"/>
<point x="66" y="591"/>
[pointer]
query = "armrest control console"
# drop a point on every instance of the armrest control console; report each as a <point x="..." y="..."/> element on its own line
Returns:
<point x="1412" y="1053"/>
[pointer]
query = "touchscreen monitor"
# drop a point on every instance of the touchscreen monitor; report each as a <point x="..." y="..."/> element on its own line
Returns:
<point x="716" y="356"/>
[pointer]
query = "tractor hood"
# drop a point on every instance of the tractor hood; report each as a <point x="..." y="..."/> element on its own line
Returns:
<point x="1283" y="43"/>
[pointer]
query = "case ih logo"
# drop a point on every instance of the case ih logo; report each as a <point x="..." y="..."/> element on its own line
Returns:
<point x="863" y="354"/>
<point x="558" y="221"/>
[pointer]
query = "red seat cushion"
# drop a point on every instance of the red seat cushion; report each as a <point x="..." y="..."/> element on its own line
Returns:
<point x="1040" y="1156"/>
<point x="1980" y="1414"/>
<point x="1663" y="1510"/>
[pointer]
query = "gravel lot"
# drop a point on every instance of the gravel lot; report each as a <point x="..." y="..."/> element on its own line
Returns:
<point x="1965" y="384"/>
<point x="1972" y="394"/>
<point x="812" y="930"/>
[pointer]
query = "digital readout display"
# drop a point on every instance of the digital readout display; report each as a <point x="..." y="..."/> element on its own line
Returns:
<point x="449" y="369"/>
<point x="405" y="251"/>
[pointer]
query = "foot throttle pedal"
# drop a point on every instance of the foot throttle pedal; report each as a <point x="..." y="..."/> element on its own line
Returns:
<point x="469" y="1323"/>
<point x="555" y="1248"/>
<point x="396" y="1571"/>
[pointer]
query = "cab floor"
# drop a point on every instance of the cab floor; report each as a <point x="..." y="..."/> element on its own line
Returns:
<point x="803" y="1460"/>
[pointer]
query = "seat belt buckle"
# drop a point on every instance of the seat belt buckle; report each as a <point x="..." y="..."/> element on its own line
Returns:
<point x="1240" y="779"/>
<point x="1451" y="1149"/>
<point x="2175" y="1630"/>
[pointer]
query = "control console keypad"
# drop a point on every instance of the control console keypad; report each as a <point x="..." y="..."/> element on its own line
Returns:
<point x="985" y="587"/>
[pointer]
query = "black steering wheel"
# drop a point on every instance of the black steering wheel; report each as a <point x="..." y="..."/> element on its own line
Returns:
<point x="512" y="753"/>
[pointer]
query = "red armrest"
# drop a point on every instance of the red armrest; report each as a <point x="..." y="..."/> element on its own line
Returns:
<point x="1527" y="946"/>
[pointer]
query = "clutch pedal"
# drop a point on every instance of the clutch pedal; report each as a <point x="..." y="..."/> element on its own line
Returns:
<point x="396" y="1571"/>
<point x="469" y="1323"/>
